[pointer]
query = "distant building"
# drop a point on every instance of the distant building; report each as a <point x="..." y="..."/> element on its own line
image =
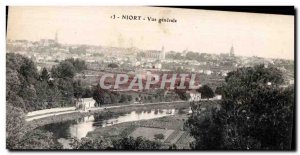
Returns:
<point x="56" y="37"/>
<point x="224" y="72"/>
<point x="217" y="97"/>
<point x="47" y="42"/>
<point x="208" y="72"/>
<point x="157" y="66"/>
<point x="85" y="104"/>
<point x="157" y="55"/>
<point x="183" y="54"/>
<point x="152" y="54"/>
<point x="231" y="53"/>
<point x="162" y="54"/>
<point x="194" y="96"/>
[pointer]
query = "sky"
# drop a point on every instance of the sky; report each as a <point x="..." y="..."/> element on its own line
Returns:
<point x="251" y="34"/>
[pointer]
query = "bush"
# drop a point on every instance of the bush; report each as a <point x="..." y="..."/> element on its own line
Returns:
<point x="159" y="136"/>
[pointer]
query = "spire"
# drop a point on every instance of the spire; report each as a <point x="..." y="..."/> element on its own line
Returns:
<point x="231" y="51"/>
<point x="56" y="37"/>
<point x="163" y="54"/>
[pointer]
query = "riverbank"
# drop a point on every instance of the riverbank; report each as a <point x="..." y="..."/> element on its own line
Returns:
<point x="172" y="127"/>
<point x="107" y="110"/>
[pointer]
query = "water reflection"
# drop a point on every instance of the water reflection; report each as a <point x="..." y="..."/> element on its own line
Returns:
<point x="82" y="127"/>
<point x="88" y="123"/>
<point x="79" y="128"/>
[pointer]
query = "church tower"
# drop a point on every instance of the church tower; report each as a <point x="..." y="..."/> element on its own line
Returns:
<point x="56" y="37"/>
<point x="163" y="53"/>
<point x="231" y="53"/>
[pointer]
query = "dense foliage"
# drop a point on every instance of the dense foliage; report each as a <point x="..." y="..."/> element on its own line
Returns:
<point x="256" y="113"/>
<point x="19" y="135"/>
<point x="127" y="143"/>
<point x="91" y="144"/>
<point x="28" y="90"/>
<point x="206" y="92"/>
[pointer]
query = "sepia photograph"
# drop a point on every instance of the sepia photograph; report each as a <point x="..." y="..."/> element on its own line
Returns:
<point x="115" y="78"/>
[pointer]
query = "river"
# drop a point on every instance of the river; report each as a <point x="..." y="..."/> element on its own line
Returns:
<point x="79" y="128"/>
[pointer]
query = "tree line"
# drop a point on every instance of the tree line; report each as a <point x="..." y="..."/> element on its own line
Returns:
<point x="256" y="113"/>
<point x="31" y="90"/>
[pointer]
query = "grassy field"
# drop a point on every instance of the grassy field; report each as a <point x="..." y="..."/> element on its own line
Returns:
<point x="150" y="133"/>
<point x="170" y="126"/>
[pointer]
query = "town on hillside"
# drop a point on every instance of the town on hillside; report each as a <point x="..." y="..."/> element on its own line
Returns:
<point x="63" y="96"/>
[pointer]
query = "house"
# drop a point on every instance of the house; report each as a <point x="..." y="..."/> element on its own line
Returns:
<point x="85" y="104"/>
<point x="208" y="72"/>
<point x="217" y="97"/>
<point x="157" y="66"/>
<point x="194" y="95"/>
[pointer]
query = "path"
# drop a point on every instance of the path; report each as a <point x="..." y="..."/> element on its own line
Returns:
<point x="59" y="111"/>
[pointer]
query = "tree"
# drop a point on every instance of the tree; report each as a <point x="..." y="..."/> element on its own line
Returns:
<point x="140" y="143"/>
<point x="92" y="143"/>
<point x="173" y="147"/>
<point x="102" y="96"/>
<point x="161" y="94"/>
<point x="219" y="91"/>
<point x="149" y="98"/>
<point x="21" y="76"/>
<point x="68" y="68"/>
<point x="15" y="126"/>
<point x="159" y="136"/>
<point x="65" y="86"/>
<point x="20" y="136"/>
<point x="191" y="55"/>
<point x="262" y="122"/>
<point x="206" y="92"/>
<point x="78" y="89"/>
<point x="28" y="70"/>
<point x="126" y="143"/>
<point x="207" y="129"/>
<point x="42" y="95"/>
<point x="39" y="139"/>
<point x="183" y="95"/>
<point x="253" y="114"/>
<point x="242" y="81"/>
<point x="64" y="69"/>
<point x="44" y="75"/>
<point x="87" y="93"/>
<point x="55" y="96"/>
<point x="113" y="65"/>
<point x="79" y="65"/>
<point x="129" y="98"/>
<point x="123" y="98"/>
